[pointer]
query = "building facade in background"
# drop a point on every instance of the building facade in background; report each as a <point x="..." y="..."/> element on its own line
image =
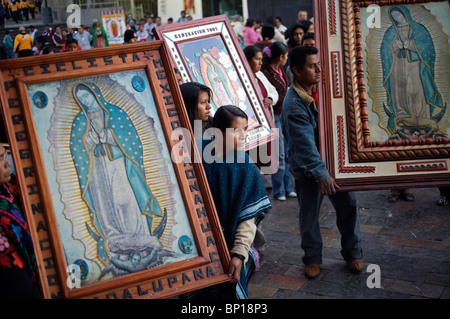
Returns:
<point x="137" y="9"/>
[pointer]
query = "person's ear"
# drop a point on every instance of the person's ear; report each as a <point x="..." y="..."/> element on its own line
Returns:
<point x="295" y="70"/>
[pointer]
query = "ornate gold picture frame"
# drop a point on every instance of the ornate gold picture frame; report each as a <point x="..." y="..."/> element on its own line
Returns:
<point x="384" y="117"/>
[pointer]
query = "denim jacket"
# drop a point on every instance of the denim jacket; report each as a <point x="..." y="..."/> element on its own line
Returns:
<point x="299" y="123"/>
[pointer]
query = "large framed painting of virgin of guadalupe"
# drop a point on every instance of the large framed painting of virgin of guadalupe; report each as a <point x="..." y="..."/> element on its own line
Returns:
<point x="112" y="214"/>
<point x="385" y="92"/>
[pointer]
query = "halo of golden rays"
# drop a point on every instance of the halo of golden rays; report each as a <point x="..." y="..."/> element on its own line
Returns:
<point x="156" y="172"/>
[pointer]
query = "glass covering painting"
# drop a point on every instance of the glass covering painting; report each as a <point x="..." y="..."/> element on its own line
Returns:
<point x="207" y="51"/>
<point x="209" y="63"/>
<point x="407" y="72"/>
<point x="117" y="203"/>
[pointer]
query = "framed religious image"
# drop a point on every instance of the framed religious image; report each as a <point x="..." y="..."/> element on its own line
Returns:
<point x="207" y="51"/>
<point x="385" y="119"/>
<point x="114" y="22"/>
<point x="111" y="213"/>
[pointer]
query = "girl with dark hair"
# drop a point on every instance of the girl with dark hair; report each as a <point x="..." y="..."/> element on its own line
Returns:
<point x="307" y="25"/>
<point x="308" y="40"/>
<point x="267" y="36"/>
<point x="250" y="22"/>
<point x="226" y="115"/>
<point x="178" y="76"/>
<point x="252" y="51"/>
<point x="71" y="45"/>
<point x="295" y="34"/>
<point x="197" y="97"/>
<point x="274" y="60"/>
<point x="49" y="49"/>
<point x="240" y="199"/>
<point x="251" y="32"/>
<point x="269" y="94"/>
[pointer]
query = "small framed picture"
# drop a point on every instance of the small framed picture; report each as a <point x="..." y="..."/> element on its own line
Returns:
<point x="207" y="51"/>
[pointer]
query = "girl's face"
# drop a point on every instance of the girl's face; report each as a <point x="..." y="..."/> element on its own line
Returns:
<point x="256" y="62"/>
<point x="203" y="106"/>
<point x="5" y="166"/>
<point x="277" y="22"/>
<point x="309" y="43"/>
<point x="236" y="134"/>
<point x="72" y="47"/>
<point x="297" y="35"/>
<point x="283" y="59"/>
<point x="179" y="78"/>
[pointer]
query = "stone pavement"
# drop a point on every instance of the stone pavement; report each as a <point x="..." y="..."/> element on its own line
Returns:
<point x="409" y="241"/>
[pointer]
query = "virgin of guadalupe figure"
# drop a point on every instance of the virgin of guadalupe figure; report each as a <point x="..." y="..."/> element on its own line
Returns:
<point x="114" y="28"/>
<point x="107" y="154"/>
<point x="408" y="57"/>
<point x="216" y="78"/>
<point x="99" y="35"/>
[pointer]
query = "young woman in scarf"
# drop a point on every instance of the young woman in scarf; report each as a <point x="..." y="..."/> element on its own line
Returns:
<point x="239" y="196"/>
<point x="197" y="98"/>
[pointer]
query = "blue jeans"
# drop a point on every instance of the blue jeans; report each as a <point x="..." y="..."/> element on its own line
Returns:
<point x="310" y="199"/>
<point x="10" y="54"/>
<point x="282" y="181"/>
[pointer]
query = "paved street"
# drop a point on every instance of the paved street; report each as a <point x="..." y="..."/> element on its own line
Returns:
<point x="409" y="241"/>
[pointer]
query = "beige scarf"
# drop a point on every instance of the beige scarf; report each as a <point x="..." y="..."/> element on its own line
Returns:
<point x="302" y="93"/>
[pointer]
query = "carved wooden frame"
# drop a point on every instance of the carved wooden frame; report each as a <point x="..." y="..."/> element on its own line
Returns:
<point x="207" y="268"/>
<point x="202" y="29"/>
<point x="352" y="158"/>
